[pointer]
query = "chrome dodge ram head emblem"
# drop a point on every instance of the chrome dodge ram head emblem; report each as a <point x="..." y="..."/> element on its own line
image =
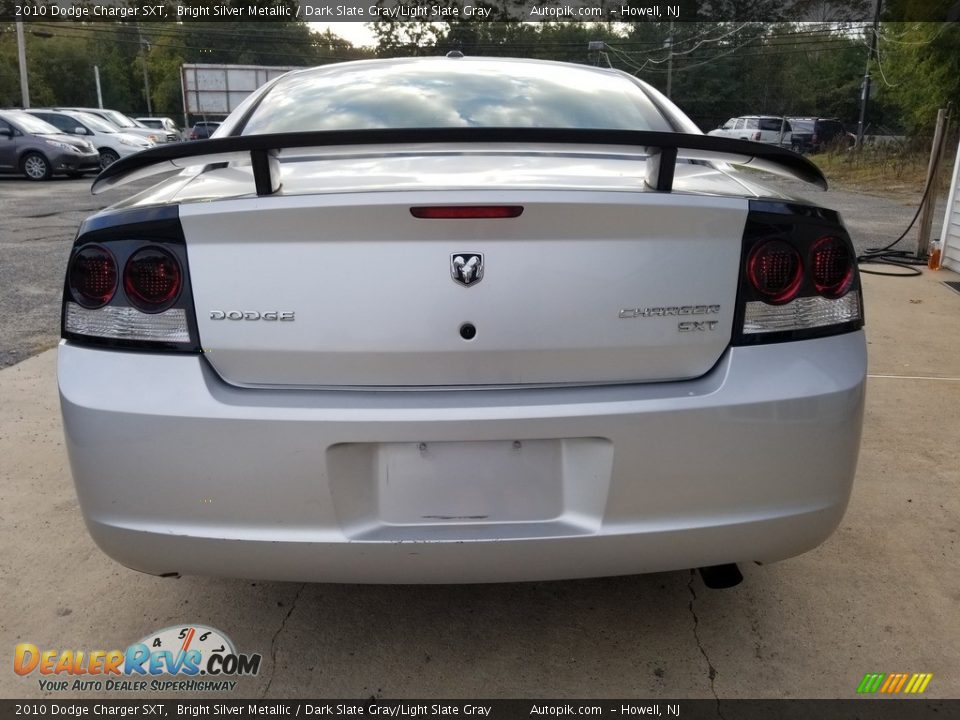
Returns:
<point x="466" y="268"/>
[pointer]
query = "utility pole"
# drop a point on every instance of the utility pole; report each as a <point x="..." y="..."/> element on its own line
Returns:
<point x="670" y="61"/>
<point x="96" y="77"/>
<point x="22" y="57"/>
<point x="933" y="175"/>
<point x="865" y="91"/>
<point x="146" y="78"/>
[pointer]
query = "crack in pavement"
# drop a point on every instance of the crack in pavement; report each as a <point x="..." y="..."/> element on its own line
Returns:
<point x="696" y="636"/>
<point x="273" y="642"/>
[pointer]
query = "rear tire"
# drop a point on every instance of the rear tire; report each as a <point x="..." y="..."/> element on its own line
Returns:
<point x="107" y="157"/>
<point x="36" y="167"/>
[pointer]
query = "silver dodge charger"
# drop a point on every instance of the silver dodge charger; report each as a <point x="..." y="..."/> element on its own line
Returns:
<point x="459" y="319"/>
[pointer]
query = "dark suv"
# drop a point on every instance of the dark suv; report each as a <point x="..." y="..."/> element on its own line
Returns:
<point x="812" y="134"/>
<point x="202" y="130"/>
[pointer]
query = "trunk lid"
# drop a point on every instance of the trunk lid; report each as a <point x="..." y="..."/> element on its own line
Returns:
<point x="585" y="286"/>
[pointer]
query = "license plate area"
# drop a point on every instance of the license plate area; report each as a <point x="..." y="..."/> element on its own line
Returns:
<point x="469" y="489"/>
<point x="457" y="482"/>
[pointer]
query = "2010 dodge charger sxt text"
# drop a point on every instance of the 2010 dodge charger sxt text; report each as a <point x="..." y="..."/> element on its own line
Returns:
<point x="460" y="320"/>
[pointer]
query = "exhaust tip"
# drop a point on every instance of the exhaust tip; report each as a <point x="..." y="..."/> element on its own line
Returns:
<point x="721" y="577"/>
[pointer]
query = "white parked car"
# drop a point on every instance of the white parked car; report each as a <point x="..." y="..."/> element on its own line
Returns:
<point x="758" y="128"/>
<point x="460" y="320"/>
<point x="165" y="124"/>
<point x="127" y="124"/>
<point x="110" y="142"/>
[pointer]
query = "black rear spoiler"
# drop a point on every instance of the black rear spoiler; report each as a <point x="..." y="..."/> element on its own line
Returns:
<point x="663" y="149"/>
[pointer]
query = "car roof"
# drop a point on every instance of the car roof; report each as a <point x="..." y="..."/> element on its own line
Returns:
<point x="68" y="112"/>
<point x="56" y="111"/>
<point x="441" y="60"/>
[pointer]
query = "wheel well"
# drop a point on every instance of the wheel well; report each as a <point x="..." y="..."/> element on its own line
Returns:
<point x="33" y="151"/>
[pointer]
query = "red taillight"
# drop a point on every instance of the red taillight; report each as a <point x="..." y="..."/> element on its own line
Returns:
<point x="152" y="279"/>
<point x="93" y="276"/>
<point x="775" y="270"/>
<point x="462" y="212"/>
<point x="831" y="267"/>
<point x="757" y="136"/>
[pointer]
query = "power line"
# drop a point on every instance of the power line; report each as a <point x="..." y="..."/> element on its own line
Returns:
<point x="766" y="51"/>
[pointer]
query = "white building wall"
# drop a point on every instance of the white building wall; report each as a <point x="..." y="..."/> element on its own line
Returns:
<point x="950" y="233"/>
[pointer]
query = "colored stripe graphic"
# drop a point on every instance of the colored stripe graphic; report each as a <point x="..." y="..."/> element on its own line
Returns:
<point x="901" y="683"/>
<point x="893" y="683"/>
<point x="870" y="683"/>
<point x="918" y="683"/>
<point x="890" y="682"/>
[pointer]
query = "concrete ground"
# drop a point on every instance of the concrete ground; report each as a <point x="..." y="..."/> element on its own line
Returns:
<point x="880" y="596"/>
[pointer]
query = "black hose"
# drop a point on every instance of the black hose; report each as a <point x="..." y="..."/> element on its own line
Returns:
<point x="903" y="259"/>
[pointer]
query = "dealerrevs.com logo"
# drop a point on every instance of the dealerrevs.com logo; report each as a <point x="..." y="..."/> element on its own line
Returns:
<point x="190" y="658"/>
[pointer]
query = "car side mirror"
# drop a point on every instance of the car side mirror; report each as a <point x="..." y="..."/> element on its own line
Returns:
<point x="6" y="132"/>
<point x="79" y="131"/>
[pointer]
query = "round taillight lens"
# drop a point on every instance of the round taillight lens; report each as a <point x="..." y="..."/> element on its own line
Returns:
<point x="775" y="270"/>
<point x="93" y="276"/>
<point x="152" y="279"/>
<point x="831" y="267"/>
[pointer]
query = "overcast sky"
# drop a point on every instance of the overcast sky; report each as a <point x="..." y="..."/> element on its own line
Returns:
<point x="356" y="32"/>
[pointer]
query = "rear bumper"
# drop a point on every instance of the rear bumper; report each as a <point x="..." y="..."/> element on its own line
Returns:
<point x="178" y="472"/>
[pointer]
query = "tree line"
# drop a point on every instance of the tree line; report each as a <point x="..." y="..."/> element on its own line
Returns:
<point x="712" y="70"/>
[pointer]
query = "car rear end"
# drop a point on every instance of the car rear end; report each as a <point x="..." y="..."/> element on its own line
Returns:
<point x="831" y="134"/>
<point x="803" y="134"/>
<point x="162" y="127"/>
<point x="409" y="365"/>
<point x="774" y="130"/>
<point x="202" y="130"/>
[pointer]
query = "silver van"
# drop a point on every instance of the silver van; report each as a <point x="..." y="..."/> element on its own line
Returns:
<point x="37" y="149"/>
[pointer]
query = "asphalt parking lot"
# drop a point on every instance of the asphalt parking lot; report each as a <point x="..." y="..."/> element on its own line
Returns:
<point x="880" y="596"/>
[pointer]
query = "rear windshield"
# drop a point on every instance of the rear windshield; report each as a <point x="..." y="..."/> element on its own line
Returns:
<point x="454" y="93"/>
<point x="804" y="126"/>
